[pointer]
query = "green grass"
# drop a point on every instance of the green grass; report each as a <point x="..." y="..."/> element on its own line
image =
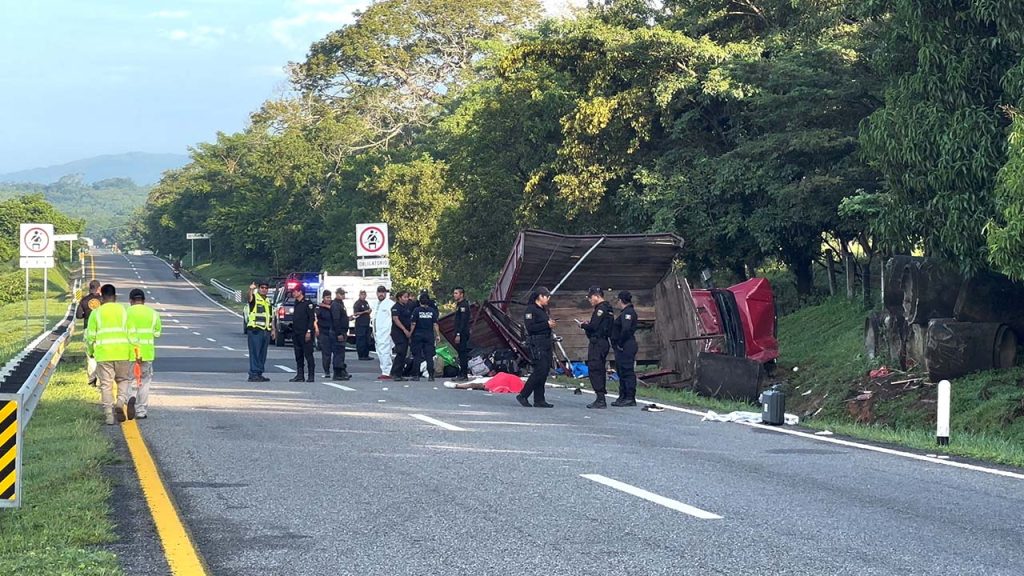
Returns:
<point x="65" y="513"/>
<point x="238" y="277"/>
<point x="669" y="395"/>
<point x="12" y="316"/>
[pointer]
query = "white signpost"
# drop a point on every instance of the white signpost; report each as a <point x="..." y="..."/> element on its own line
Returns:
<point x="36" y="243"/>
<point x="372" y="246"/>
<point x="193" y="236"/>
<point x="70" y="239"/>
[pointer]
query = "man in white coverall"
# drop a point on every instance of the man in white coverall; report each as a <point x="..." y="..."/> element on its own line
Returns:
<point x="382" y="331"/>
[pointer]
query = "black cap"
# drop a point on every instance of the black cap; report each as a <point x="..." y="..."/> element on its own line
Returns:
<point x="626" y="296"/>
<point x="595" y="291"/>
<point x="340" y="291"/>
<point x="382" y="288"/>
<point x="542" y="291"/>
<point x="263" y="283"/>
<point x="136" y="294"/>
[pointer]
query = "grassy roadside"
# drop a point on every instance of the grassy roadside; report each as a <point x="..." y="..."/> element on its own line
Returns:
<point x="234" y="276"/>
<point x="12" y="315"/>
<point x="65" y="515"/>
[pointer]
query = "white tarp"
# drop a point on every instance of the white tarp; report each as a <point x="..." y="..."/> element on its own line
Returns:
<point x="745" y="417"/>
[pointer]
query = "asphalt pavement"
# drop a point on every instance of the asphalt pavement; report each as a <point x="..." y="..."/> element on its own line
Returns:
<point x="387" y="478"/>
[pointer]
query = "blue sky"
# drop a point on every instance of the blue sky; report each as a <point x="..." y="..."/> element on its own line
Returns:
<point x="80" y="78"/>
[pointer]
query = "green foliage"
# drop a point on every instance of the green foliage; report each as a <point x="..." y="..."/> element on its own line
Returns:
<point x="104" y="206"/>
<point x="32" y="208"/>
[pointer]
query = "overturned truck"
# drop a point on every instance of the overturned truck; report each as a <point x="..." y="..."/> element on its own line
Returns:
<point x="670" y="333"/>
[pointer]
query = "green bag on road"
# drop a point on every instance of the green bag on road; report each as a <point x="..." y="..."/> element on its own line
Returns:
<point x="446" y="354"/>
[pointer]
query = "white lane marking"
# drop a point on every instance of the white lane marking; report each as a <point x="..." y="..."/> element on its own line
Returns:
<point x="175" y="320"/>
<point x="246" y="354"/>
<point x="285" y="368"/>
<point x="437" y="422"/>
<point x="652" y="497"/>
<point x="228" y="348"/>
<point x="850" y="444"/>
<point x="338" y="386"/>
<point x="197" y="333"/>
<point x="210" y="339"/>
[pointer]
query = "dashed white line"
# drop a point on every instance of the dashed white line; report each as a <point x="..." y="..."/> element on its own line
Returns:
<point x="175" y="320"/>
<point x="210" y="339"/>
<point x="652" y="497"/>
<point x="338" y="386"/>
<point x="228" y="348"/>
<point x="285" y="368"/>
<point x="438" y="423"/>
<point x="197" y="333"/>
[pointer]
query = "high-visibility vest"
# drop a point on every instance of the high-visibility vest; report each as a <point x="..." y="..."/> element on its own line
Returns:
<point x="107" y="333"/>
<point x="259" y="314"/>
<point x="143" y="329"/>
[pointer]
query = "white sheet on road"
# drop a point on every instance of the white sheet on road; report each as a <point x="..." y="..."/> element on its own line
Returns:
<point x="747" y="417"/>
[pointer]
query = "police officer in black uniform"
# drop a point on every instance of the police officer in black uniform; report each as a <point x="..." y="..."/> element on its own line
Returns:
<point x="598" y="330"/>
<point x="339" y="330"/>
<point x="539" y="340"/>
<point x="401" y="332"/>
<point x="326" y="336"/>
<point x="361" y="313"/>
<point x="625" y="350"/>
<point x="424" y="337"/>
<point x="462" y="320"/>
<point x="304" y="329"/>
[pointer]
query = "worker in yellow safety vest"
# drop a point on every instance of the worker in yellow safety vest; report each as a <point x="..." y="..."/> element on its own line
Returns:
<point x="143" y="329"/>
<point x="260" y="330"/>
<point x="106" y="338"/>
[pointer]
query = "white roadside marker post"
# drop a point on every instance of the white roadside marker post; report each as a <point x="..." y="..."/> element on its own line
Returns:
<point x="942" y="417"/>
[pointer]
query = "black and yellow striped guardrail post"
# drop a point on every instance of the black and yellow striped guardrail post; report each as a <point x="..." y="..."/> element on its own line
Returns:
<point x="9" y="453"/>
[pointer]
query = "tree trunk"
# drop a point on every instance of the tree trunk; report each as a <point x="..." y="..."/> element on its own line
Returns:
<point x="851" y="272"/>
<point x="866" y="282"/>
<point x="831" y="266"/>
<point x="804" y="272"/>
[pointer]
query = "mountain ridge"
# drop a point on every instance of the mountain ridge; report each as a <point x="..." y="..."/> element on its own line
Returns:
<point x="143" y="168"/>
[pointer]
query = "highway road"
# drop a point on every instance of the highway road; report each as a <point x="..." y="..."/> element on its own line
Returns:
<point x="389" y="478"/>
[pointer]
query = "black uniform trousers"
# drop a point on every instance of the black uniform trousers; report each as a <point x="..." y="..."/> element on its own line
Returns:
<point x="363" y="341"/>
<point x="464" y="349"/>
<point x="422" y="351"/>
<point x="401" y="350"/>
<point x="338" y="349"/>
<point x="597" y="362"/>
<point x="303" y="355"/>
<point x="625" y="363"/>
<point x="540" y="353"/>
<point x="326" y="350"/>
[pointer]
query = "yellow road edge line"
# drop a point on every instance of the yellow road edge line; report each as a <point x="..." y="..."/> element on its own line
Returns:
<point x="181" y="553"/>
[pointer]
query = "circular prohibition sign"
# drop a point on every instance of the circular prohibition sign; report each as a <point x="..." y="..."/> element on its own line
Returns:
<point x="372" y="239"/>
<point x="36" y="240"/>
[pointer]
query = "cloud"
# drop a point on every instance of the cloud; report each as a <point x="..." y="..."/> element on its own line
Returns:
<point x="171" y="14"/>
<point x="202" y="36"/>
<point x="310" y="13"/>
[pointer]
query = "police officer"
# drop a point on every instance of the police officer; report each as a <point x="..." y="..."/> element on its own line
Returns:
<point x="598" y="330"/>
<point x="401" y="333"/>
<point x="304" y="329"/>
<point x="539" y="340"/>
<point x="260" y="330"/>
<point x="424" y="336"/>
<point x="361" y="313"/>
<point x="625" y="350"/>
<point x="462" y="320"/>
<point x="339" y="327"/>
<point x="326" y="337"/>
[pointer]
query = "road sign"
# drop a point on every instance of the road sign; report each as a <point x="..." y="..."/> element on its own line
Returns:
<point x="372" y="240"/>
<point x="373" y="263"/>
<point x="196" y="236"/>
<point x="65" y="237"/>
<point x="36" y="240"/>
<point x="36" y="262"/>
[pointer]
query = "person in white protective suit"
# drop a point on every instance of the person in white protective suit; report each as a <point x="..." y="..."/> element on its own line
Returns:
<point x="382" y="331"/>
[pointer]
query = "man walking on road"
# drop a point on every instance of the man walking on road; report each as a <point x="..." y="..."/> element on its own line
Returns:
<point x="143" y="329"/>
<point x="361" y="313"/>
<point x="261" y="331"/>
<point x="106" y="339"/>
<point x="304" y="329"/>
<point x="339" y="322"/>
<point x="326" y="337"/>
<point x="382" y="331"/>
<point x="86" y="306"/>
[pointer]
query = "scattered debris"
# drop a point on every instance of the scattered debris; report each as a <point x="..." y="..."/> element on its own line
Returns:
<point x="823" y="433"/>
<point x="745" y="417"/>
<point x="882" y="372"/>
<point x="653" y="408"/>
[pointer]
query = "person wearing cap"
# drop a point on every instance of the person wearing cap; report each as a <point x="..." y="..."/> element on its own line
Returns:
<point x="424" y="337"/>
<point x="144" y="328"/>
<point x="326" y="337"/>
<point x="462" y="325"/>
<point x="625" y="350"/>
<point x="260" y="330"/>
<point x="361" y="314"/>
<point x="539" y="341"/>
<point x="86" y="305"/>
<point x="382" y="331"/>
<point x="106" y="339"/>
<point x="598" y="330"/>
<point x="339" y="330"/>
<point x="304" y="330"/>
<point x="401" y="333"/>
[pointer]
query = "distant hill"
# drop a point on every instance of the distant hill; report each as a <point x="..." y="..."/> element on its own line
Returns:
<point x="140" y="167"/>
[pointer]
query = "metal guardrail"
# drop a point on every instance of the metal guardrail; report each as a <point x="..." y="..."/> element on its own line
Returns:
<point x="16" y="409"/>
<point x="226" y="291"/>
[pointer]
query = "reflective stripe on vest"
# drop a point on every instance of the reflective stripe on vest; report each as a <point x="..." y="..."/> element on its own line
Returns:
<point x="259" y="314"/>
<point x="111" y="335"/>
<point x="143" y="329"/>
